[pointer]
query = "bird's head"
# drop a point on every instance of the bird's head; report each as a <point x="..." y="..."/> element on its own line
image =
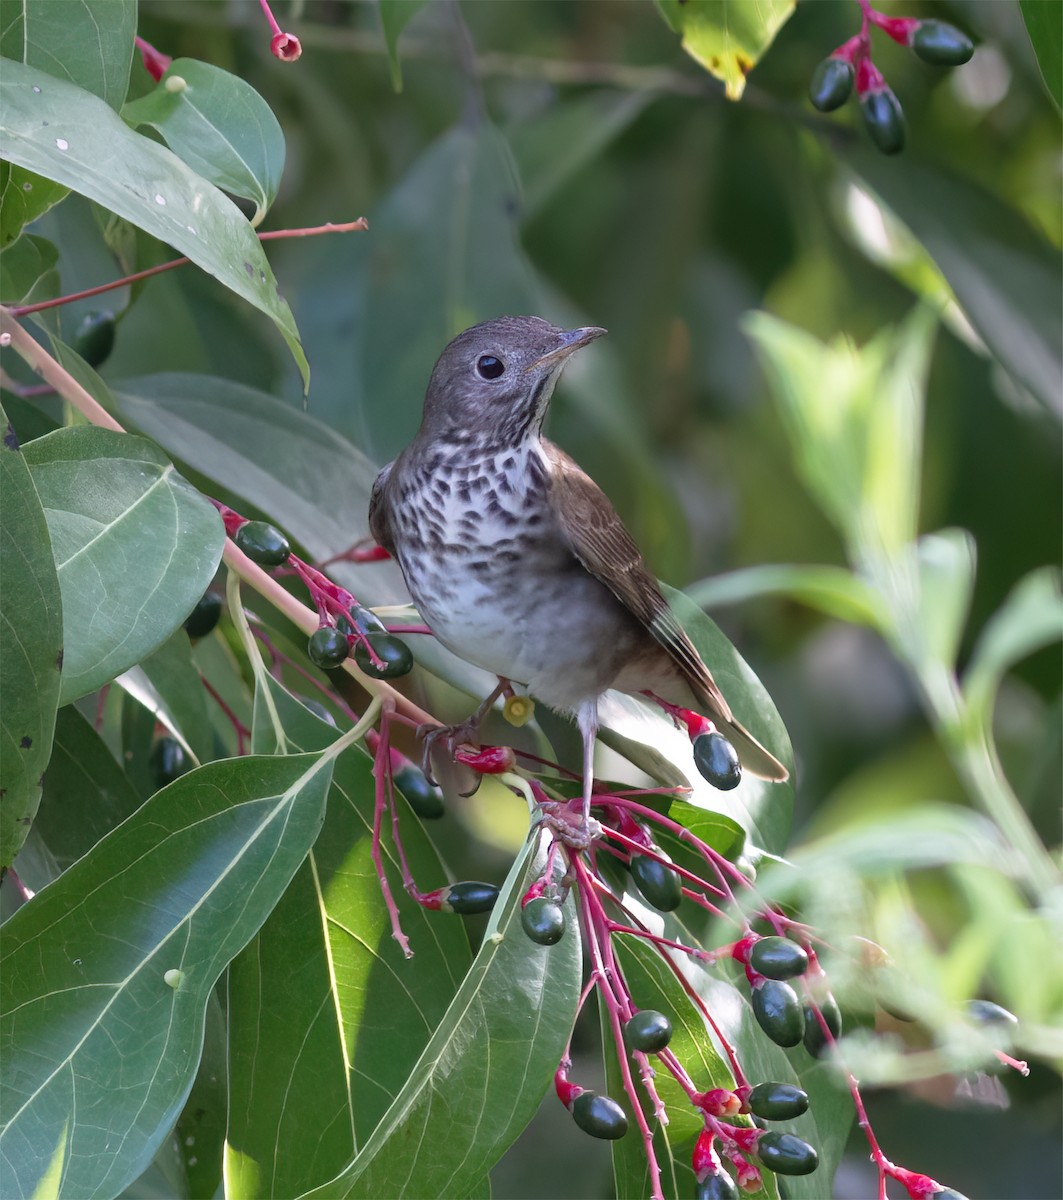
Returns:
<point x="494" y="381"/>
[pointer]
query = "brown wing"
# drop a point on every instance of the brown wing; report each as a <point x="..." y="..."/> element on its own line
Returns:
<point x="601" y="542"/>
<point x="379" y="514"/>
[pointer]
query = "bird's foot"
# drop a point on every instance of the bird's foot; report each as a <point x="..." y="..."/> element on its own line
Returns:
<point x="570" y="826"/>
<point x="450" y="736"/>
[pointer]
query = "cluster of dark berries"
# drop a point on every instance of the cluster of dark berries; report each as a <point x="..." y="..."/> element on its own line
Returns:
<point x="345" y="625"/>
<point x="850" y="67"/>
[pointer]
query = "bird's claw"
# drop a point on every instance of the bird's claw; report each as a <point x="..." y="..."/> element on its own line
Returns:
<point x="451" y="736"/>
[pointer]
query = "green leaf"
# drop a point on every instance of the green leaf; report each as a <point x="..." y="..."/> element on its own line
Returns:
<point x="855" y="418"/>
<point x="31" y="646"/>
<point x="135" y="547"/>
<point x="394" y="17"/>
<point x="181" y="886"/>
<point x="86" y="792"/>
<point x="1004" y="274"/>
<point x="220" y="126"/>
<point x="945" y="564"/>
<point x="485" y="1069"/>
<point x="87" y="42"/>
<point x="1046" y="36"/>
<point x="553" y="146"/>
<point x="326" y="1016"/>
<point x="67" y="135"/>
<point x="1031" y="617"/>
<point x="832" y="590"/>
<point x="168" y="684"/>
<point x="28" y="271"/>
<point x="728" y="37"/>
<point x="640" y="731"/>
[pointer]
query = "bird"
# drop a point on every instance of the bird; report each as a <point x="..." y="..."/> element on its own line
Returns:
<point x="518" y="562"/>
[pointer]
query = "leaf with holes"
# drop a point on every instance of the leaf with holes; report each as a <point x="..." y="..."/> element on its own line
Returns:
<point x="220" y="126"/>
<point x="70" y="137"/>
<point x="31" y="646"/>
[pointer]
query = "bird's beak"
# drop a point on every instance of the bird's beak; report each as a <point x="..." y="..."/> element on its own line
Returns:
<point x="569" y="342"/>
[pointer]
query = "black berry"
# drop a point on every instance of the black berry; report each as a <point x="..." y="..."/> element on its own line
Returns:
<point x="717" y="760"/>
<point x="469" y="898"/>
<point x="263" y="543"/>
<point x="202" y="619"/>
<point x="600" y="1116"/>
<point x="392" y="652"/>
<point x="778" y="1011"/>
<point x="94" y="337"/>
<point x="884" y="119"/>
<point x="786" y="1154"/>
<point x="832" y="84"/>
<point x="649" y="1031"/>
<point x="658" y="883"/>
<point x="327" y="647"/>
<point x="543" y="920"/>
<point x="777" y="1101"/>
<point x="778" y="958"/>
<point x="167" y="761"/>
<point x="425" y="800"/>
<point x="941" y="44"/>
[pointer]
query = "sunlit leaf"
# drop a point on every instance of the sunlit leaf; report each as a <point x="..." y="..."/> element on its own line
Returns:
<point x="728" y="37"/>
<point x="135" y="547"/>
<point x="310" y="1078"/>
<point x="31" y="646"/>
<point x="220" y="126"/>
<point x="69" y="136"/>
<point x="832" y="590"/>
<point x="1031" y="617"/>
<point x="485" y="1069"/>
<point x="1003" y="272"/>
<point x="946" y="562"/>
<point x="89" y="965"/>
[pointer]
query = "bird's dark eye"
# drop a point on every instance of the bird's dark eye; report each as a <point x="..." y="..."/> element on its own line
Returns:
<point x="489" y="367"/>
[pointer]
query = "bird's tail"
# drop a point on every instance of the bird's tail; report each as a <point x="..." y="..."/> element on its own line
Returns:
<point x="752" y="755"/>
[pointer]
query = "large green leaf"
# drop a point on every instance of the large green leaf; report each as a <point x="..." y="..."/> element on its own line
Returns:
<point x="833" y="590"/>
<point x="1005" y="274"/>
<point x="855" y="417"/>
<point x="31" y="646"/>
<point x="67" y="135"/>
<point x="485" y="1069"/>
<point x="86" y="792"/>
<point x="727" y="37"/>
<point x="1046" y="35"/>
<point x="89" y="43"/>
<point x="135" y="547"/>
<point x="220" y="126"/>
<point x="99" y="1040"/>
<point x="326" y="1016"/>
<point x="168" y="684"/>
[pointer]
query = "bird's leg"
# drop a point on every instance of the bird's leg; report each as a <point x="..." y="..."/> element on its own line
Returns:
<point x="587" y="720"/>
<point x="454" y="735"/>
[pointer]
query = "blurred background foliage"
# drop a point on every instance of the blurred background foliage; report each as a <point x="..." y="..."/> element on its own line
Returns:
<point x="569" y="159"/>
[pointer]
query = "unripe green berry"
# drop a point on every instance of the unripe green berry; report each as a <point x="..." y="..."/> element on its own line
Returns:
<point x="719" y="1186"/>
<point x="263" y="543"/>
<point x="778" y="1011"/>
<point x="327" y="647"/>
<point x="941" y="44"/>
<point x="778" y="958"/>
<point x="884" y="119"/>
<point x="649" y="1031"/>
<point x="470" y="897"/>
<point x="717" y="760"/>
<point x="543" y="920"/>
<point x="167" y="761"/>
<point x="814" y="1038"/>
<point x="786" y="1154"/>
<point x="392" y="651"/>
<point x="832" y="84"/>
<point x="658" y="883"/>
<point x="425" y="800"/>
<point x="202" y="619"/>
<point x="600" y="1116"/>
<point x="94" y="337"/>
<point x="777" y="1101"/>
